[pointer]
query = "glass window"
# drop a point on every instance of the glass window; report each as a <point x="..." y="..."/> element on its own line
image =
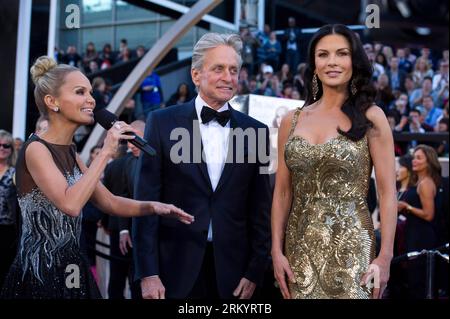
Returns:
<point x="68" y="37"/>
<point x="99" y="36"/>
<point x="219" y="29"/>
<point x="137" y="34"/>
<point x="96" y="11"/>
<point x="186" y="41"/>
<point x="126" y="11"/>
<point x="200" y="32"/>
<point x="62" y="10"/>
<point x="165" y="25"/>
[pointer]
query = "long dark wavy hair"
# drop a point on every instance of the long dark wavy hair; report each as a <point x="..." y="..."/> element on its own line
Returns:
<point x="355" y="106"/>
<point x="434" y="167"/>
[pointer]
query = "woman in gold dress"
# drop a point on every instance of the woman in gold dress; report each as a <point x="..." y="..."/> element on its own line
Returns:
<point x="323" y="243"/>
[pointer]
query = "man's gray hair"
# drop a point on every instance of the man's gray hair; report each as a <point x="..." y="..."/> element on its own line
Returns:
<point x="211" y="41"/>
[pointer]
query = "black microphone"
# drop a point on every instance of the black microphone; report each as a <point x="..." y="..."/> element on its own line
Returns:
<point x="107" y="119"/>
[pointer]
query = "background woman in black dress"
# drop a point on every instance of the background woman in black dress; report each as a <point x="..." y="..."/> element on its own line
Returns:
<point x="418" y="203"/>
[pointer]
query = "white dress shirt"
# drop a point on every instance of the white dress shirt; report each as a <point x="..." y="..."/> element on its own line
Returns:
<point x="215" y="146"/>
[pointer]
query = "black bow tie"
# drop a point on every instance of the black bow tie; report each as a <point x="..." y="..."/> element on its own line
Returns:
<point x="208" y="114"/>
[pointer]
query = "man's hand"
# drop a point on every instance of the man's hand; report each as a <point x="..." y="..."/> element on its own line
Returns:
<point x="125" y="240"/>
<point x="152" y="288"/>
<point x="245" y="289"/>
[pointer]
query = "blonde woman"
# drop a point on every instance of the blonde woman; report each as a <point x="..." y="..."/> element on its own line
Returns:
<point x="422" y="69"/>
<point x="53" y="185"/>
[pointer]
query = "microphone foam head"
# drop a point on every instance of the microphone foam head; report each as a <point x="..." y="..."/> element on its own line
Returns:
<point x="105" y="118"/>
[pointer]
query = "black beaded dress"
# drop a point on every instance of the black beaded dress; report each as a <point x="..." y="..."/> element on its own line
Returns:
<point x="49" y="263"/>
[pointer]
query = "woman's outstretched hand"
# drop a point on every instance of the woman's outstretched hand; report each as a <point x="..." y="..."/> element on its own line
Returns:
<point x="169" y="210"/>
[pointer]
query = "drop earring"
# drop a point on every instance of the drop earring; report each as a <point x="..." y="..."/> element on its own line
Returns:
<point x="353" y="89"/>
<point x="315" y="87"/>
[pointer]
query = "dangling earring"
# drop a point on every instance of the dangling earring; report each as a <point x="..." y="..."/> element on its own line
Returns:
<point x="353" y="89"/>
<point x="315" y="87"/>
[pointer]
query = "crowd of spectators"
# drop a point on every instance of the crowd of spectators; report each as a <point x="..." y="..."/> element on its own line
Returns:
<point x="411" y="82"/>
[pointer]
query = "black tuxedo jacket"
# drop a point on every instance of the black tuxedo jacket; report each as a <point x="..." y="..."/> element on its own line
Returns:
<point x="119" y="180"/>
<point x="239" y="207"/>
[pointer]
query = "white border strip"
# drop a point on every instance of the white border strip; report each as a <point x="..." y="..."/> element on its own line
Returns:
<point x="261" y="10"/>
<point x="21" y="76"/>
<point x="52" y="28"/>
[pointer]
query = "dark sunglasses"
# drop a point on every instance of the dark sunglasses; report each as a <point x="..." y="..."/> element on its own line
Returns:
<point x="5" y="146"/>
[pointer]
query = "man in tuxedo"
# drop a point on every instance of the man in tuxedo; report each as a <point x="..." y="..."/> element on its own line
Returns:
<point x="224" y="184"/>
<point x="119" y="179"/>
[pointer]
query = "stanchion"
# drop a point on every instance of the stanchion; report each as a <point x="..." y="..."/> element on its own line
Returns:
<point x="430" y="264"/>
<point x="430" y="274"/>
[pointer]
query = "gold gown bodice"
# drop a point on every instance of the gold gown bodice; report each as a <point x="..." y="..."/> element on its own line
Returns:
<point x="330" y="239"/>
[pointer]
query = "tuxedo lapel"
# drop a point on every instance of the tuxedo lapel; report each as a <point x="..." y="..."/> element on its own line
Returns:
<point x="231" y="156"/>
<point x="190" y="121"/>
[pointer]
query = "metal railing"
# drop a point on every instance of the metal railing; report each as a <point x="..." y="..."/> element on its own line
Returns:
<point x="430" y="264"/>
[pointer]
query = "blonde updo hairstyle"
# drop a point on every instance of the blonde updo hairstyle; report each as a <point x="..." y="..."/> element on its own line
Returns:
<point x="48" y="76"/>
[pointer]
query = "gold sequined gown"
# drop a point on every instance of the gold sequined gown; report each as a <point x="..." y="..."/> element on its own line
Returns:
<point x="330" y="239"/>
